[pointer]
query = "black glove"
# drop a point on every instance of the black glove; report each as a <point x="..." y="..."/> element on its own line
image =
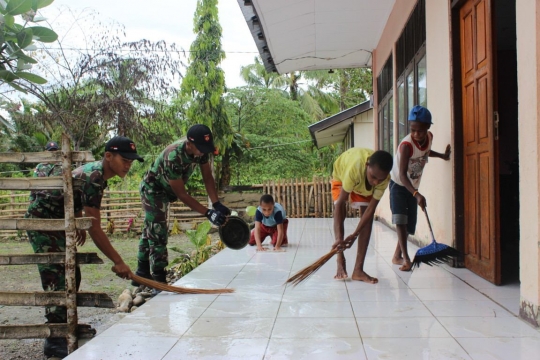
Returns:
<point x="215" y="217"/>
<point x="221" y="208"/>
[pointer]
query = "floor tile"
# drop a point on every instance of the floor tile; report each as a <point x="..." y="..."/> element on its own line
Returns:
<point x="432" y="313"/>
<point x="449" y="294"/>
<point x="435" y="283"/>
<point x="233" y="328"/>
<point x="125" y="347"/>
<point x="328" y="309"/>
<point x="466" y="308"/>
<point x="299" y="294"/>
<point x="382" y="294"/>
<point x="210" y="348"/>
<point x="504" y="292"/>
<point x="419" y="327"/>
<point x="414" y="349"/>
<point x="384" y="283"/>
<point x="326" y="349"/>
<point x="372" y="309"/>
<point x="511" y="305"/>
<point x="239" y="309"/>
<point x="475" y="327"/>
<point x="502" y="348"/>
<point x="315" y="328"/>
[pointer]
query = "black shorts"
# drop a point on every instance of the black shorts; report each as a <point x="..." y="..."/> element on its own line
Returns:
<point x="404" y="207"/>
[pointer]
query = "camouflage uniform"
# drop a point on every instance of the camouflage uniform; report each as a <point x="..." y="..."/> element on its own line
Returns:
<point x="156" y="195"/>
<point x="41" y="170"/>
<point x="49" y="204"/>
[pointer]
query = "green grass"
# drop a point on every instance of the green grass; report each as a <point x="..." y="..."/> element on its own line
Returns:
<point x="95" y="277"/>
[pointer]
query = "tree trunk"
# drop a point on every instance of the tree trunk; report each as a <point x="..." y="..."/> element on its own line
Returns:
<point x="225" y="178"/>
<point x="343" y="89"/>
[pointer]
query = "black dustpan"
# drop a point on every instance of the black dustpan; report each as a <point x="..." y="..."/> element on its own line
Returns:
<point x="434" y="253"/>
<point x="235" y="233"/>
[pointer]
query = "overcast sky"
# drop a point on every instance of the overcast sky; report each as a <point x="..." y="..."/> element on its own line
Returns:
<point x="172" y="21"/>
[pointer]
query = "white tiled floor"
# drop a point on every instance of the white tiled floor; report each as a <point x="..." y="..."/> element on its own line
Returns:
<point x="432" y="313"/>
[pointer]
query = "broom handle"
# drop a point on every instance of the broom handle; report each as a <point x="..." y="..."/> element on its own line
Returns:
<point x="429" y="223"/>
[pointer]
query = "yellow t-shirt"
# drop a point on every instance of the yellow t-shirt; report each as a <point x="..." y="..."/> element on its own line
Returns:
<point x="350" y="169"/>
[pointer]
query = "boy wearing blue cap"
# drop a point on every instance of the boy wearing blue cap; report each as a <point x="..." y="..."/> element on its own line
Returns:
<point x="411" y="157"/>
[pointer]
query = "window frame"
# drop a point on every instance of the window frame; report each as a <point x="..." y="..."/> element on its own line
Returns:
<point x="412" y="67"/>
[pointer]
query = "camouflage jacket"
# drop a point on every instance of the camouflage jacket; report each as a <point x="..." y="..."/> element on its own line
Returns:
<point x="50" y="203"/>
<point x="172" y="164"/>
<point x="41" y="170"/>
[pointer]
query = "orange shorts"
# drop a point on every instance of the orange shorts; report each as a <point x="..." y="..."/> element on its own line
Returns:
<point x="356" y="200"/>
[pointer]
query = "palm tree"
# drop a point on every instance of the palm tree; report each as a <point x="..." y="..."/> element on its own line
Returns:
<point x="310" y="93"/>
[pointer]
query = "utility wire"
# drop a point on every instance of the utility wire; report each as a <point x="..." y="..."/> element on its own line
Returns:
<point x="143" y="50"/>
<point x="269" y="146"/>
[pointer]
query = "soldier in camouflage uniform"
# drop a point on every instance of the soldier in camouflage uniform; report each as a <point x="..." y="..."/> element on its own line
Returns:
<point x="120" y="152"/>
<point x="164" y="183"/>
<point x="43" y="169"/>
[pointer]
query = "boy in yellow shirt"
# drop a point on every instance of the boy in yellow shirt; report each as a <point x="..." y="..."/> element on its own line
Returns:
<point x="360" y="176"/>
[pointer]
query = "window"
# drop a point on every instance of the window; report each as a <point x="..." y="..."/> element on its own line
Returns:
<point x="386" y="109"/>
<point x="402" y="121"/>
<point x="421" y="94"/>
<point x="411" y="67"/>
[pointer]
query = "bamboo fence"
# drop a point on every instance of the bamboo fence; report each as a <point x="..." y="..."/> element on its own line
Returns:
<point x="303" y="198"/>
<point x="300" y="197"/>
<point x="12" y="219"/>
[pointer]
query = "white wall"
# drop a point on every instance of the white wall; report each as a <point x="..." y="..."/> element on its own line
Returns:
<point x="437" y="181"/>
<point x="363" y="130"/>
<point x="528" y="59"/>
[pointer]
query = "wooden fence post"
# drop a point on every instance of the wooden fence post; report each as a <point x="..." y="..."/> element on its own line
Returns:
<point x="323" y="189"/>
<point x="71" y="250"/>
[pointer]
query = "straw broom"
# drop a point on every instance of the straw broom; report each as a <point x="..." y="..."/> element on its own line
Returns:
<point x="311" y="269"/>
<point x="176" y="289"/>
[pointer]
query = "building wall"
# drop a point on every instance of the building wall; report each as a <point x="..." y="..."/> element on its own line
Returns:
<point x="528" y="60"/>
<point x="437" y="180"/>
<point x="363" y="130"/>
<point x="437" y="183"/>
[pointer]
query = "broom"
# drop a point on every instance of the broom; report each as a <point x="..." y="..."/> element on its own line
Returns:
<point x="434" y="253"/>
<point x="176" y="289"/>
<point x="311" y="269"/>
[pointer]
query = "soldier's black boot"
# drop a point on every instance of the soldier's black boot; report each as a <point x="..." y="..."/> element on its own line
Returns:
<point x="160" y="276"/>
<point x="55" y="347"/>
<point x="143" y="270"/>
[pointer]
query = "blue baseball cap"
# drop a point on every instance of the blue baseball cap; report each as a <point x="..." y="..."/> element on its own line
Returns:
<point x="420" y="114"/>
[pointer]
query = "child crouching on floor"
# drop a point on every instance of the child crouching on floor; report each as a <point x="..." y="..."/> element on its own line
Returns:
<point x="270" y="220"/>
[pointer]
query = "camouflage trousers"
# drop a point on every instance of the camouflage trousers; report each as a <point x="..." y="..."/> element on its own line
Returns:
<point x="53" y="276"/>
<point x="154" y="237"/>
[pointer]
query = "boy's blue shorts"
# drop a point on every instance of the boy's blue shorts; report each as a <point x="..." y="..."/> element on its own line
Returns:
<point x="404" y="207"/>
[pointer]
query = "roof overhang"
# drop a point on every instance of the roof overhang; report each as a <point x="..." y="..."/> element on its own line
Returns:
<point x="296" y="35"/>
<point x="333" y="129"/>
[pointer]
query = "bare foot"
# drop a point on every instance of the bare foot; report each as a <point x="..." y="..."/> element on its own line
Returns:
<point x="406" y="266"/>
<point x="362" y="276"/>
<point x="397" y="261"/>
<point x="341" y="268"/>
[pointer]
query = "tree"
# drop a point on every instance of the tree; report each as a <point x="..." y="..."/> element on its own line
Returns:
<point x="15" y="39"/>
<point x="109" y="85"/>
<point x="312" y="97"/>
<point x="277" y="140"/>
<point x="204" y="81"/>
<point x="351" y="86"/>
<point x="256" y="75"/>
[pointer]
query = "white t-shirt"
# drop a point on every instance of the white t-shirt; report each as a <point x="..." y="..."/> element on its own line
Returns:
<point x="418" y="160"/>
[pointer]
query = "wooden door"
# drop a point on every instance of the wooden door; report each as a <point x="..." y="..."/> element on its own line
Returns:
<point x="482" y="246"/>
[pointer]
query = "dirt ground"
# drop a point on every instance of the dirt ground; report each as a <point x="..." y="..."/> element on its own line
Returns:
<point x="26" y="278"/>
